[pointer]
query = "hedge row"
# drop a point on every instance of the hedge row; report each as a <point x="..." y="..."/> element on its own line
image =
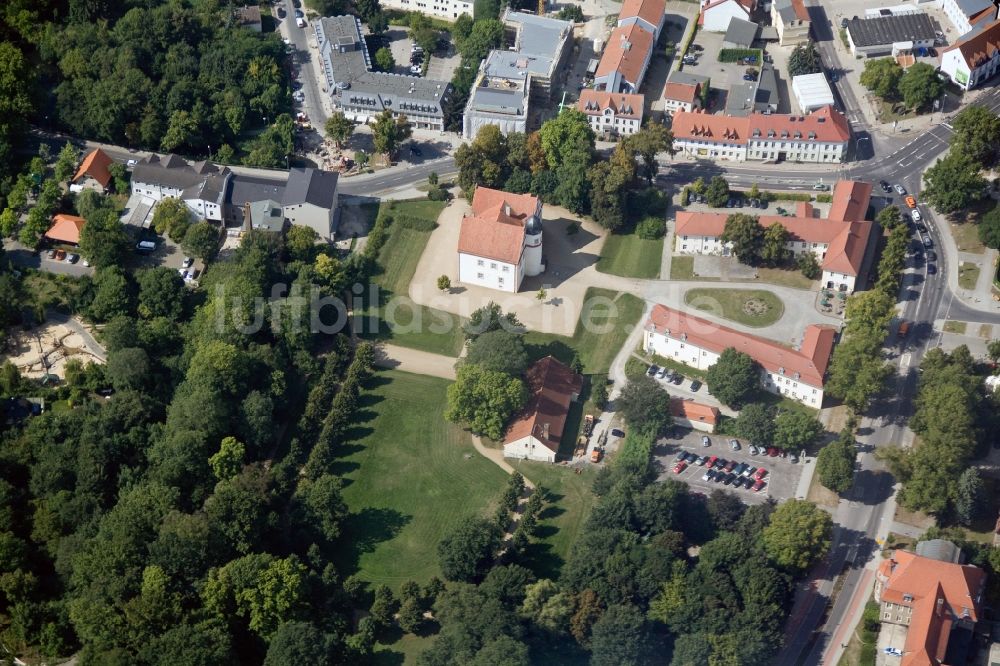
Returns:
<point x="734" y="55"/>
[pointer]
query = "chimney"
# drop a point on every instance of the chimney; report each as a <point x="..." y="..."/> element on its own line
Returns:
<point x="545" y="431"/>
<point x="939" y="606"/>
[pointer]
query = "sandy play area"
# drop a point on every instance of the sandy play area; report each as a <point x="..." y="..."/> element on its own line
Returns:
<point x="570" y="270"/>
<point x="45" y="349"/>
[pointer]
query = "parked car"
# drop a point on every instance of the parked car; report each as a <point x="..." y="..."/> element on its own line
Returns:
<point x="299" y="14"/>
<point x="720" y="476"/>
<point x="900" y="190"/>
<point x="910" y="201"/>
<point x="758" y="485"/>
<point x="772" y="452"/>
<point x="695" y="385"/>
<point x="739" y="469"/>
<point x="729" y="466"/>
<point x="915" y="214"/>
<point x="885" y="186"/>
<point x="680" y="467"/>
<point x="927" y="241"/>
<point x="903" y="330"/>
<point x="615" y="432"/>
<point x="843" y="22"/>
<point x="705" y="441"/>
<point x="60" y="255"/>
<point x="760" y="473"/>
<point x="709" y="475"/>
<point x="749" y="471"/>
<point x="186" y="262"/>
<point x="653" y="369"/>
<point x="681" y="455"/>
<point x="720" y="463"/>
<point x="662" y="373"/>
<point x="700" y="461"/>
<point x="678" y="378"/>
<point x="931" y="269"/>
<point x="754" y="450"/>
<point x="931" y="255"/>
<point x="711" y="461"/>
<point x="72" y="258"/>
<point x="734" y="444"/>
<point x="51" y="254"/>
<point x="728" y="481"/>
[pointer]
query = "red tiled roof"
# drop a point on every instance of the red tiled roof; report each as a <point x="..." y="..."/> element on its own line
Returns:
<point x="521" y="205"/>
<point x="495" y="229"/>
<point x="650" y="11"/>
<point x="980" y="47"/>
<point x="693" y="411"/>
<point x="702" y="126"/>
<point x="552" y="387"/>
<point x="95" y="165"/>
<point x="682" y="92"/>
<point x="924" y="582"/>
<point x="626" y="52"/>
<point x="65" y="228"/>
<point x="800" y="10"/>
<point x="828" y="124"/>
<point x="594" y="102"/>
<point x="809" y="362"/>
<point x="850" y="200"/>
<point x="986" y="15"/>
<point x="846" y="253"/>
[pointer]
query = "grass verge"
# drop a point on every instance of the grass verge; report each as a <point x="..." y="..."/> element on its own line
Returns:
<point x="409" y="477"/>
<point x="968" y="275"/>
<point x="570" y="502"/>
<point x="750" y="307"/>
<point x="407" y="323"/>
<point x="952" y="326"/>
<point x="629" y="255"/>
<point x="785" y="277"/>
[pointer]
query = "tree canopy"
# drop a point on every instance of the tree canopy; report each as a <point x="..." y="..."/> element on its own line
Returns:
<point x="798" y="535"/>
<point x="484" y="399"/>
<point x="645" y="404"/>
<point x="734" y="378"/>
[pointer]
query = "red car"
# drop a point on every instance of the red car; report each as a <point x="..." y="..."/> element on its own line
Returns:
<point x="758" y="485"/>
<point x="711" y="462"/>
<point x="729" y="466"/>
<point x="760" y="474"/>
<point x="773" y="452"/>
<point x="680" y="467"/>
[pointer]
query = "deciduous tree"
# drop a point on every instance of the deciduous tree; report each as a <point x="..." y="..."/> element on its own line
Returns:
<point x="645" y="404"/>
<point x="747" y="237"/>
<point x="338" y="128"/>
<point x="466" y="552"/>
<point x="734" y="377"/>
<point x="499" y="350"/>
<point x="484" y="399"/>
<point x="202" y="240"/>
<point x="388" y="132"/>
<point x="976" y="133"/>
<point x="795" y="430"/>
<point x="103" y="240"/>
<point x="881" y="76"/>
<point x="954" y="182"/>
<point x="756" y="424"/>
<point x="920" y="85"/>
<point x="798" y="535"/>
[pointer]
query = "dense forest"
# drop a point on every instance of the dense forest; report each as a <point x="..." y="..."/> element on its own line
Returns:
<point x="172" y="75"/>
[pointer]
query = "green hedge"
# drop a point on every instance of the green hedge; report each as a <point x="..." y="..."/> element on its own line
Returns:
<point x="734" y="55"/>
<point x="687" y="43"/>
<point x="786" y="196"/>
<point x="824" y="198"/>
<point x="638" y="445"/>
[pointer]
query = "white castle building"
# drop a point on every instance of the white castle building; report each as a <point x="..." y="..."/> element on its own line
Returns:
<point x="501" y="240"/>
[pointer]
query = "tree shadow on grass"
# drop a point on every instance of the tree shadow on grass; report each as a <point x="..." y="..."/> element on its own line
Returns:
<point x="366" y="529"/>
<point x="557" y="348"/>
<point x="538" y="557"/>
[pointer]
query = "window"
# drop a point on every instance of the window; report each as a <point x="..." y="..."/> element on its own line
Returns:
<point x="500" y="281"/>
<point x="506" y="269"/>
<point x="493" y="265"/>
<point x="480" y="263"/>
<point x="479" y="275"/>
<point x="908" y="597"/>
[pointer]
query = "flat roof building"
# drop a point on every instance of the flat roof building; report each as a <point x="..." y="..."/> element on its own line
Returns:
<point x="362" y="94"/>
<point x="886" y="35"/>
<point x="812" y="91"/>
<point x="500" y="96"/>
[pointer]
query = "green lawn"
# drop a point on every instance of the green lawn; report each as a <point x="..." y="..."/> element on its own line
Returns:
<point x="409" y="476"/>
<point x="751" y="307"/>
<point x="411" y="324"/>
<point x="682" y="268"/>
<point x="598" y="346"/>
<point x="952" y="326"/>
<point x="968" y="275"/>
<point x="630" y="256"/>
<point x="570" y="502"/>
<point x="785" y="277"/>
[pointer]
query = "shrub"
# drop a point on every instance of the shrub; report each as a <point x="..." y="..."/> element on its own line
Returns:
<point x="651" y="228"/>
<point x="734" y="55"/>
<point x="824" y="198"/>
<point x="415" y="223"/>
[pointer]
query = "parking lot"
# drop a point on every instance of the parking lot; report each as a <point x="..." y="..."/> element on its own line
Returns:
<point x="442" y="65"/>
<point x="781" y="476"/>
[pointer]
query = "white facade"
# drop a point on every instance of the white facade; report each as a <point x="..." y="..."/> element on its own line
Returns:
<point x="953" y="64"/>
<point x="315" y="217"/>
<point x="490" y="273"/>
<point x="812" y="91"/>
<point x="714" y="245"/>
<point x="791" y="33"/>
<point x="717" y="15"/>
<point x="707" y="148"/>
<point x="531" y="258"/>
<point x="446" y="9"/>
<point x="529" y="448"/>
<point x="610" y="123"/>
<point x="958" y="17"/>
<point x="208" y="210"/>
<point x="791" y="149"/>
<point x="672" y="106"/>
<point x="702" y="359"/>
<point x="839" y="281"/>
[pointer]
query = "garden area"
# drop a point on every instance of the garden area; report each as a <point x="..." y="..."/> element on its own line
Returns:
<point x="751" y="307"/>
<point x="413" y="222"/>
<point x="409" y="477"/>
<point x="630" y="255"/>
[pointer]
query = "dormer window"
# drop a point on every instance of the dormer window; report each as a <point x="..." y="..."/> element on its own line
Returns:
<point x="908" y="598"/>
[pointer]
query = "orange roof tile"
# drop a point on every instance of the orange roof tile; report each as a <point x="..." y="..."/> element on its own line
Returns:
<point x="626" y="52"/>
<point x="650" y="11"/>
<point x="800" y="10"/>
<point x="979" y="47"/>
<point x="693" y="411"/>
<point x="807" y="364"/>
<point x="846" y="253"/>
<point x="682" y="92"/>
<point x="850" y="200"/>
<point x="552" y="387"/>
<point x="495" y="229"/>
<point x="65" y="228"/>
<point x="704" y="126"/>
<point x="920" y="583"/>
<point x="828" y="125"/>
<point x="521" y="205"/>
<point x="95" y="165"/>
<point x="594" y="102"/>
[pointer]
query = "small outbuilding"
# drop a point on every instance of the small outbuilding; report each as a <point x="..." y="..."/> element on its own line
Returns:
<point x="694" y="415"/>
<point x="536" y="432"/>
<point x="812" y="91"/>
<point x="93" y="173"/>
<point x="65" y="229"/>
